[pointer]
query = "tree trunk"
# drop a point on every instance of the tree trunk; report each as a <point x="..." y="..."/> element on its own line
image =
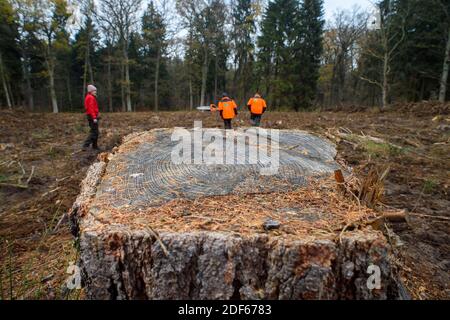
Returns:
<point x="158" y="58"/>
<point x="5" y="86"/>
<point x="51" y="75"/>
<point x="91" y="73"/>
<point x="216" y="71"/>
<point x="85" y="70"/>
<point x="29" y="89"/>
<point x="69" y="93"/>
<point x="11" y="95"/>
<point x="110" y="105"/>
<point x="445" y="69"/>
<point x="204" y="78"/>
<point x="122" y="85"/>
<point x="385" y="87"/>
<point x="191" y="95"/>
<point x="127" y="77"/>
<point x="127" y="85"/>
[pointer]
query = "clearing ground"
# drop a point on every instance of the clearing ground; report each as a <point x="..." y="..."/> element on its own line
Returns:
<point x="34" y="254"/>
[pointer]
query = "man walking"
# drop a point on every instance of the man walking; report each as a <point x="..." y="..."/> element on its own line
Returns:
<point x="257" y="107"/>
<point x="228" y="110"/>
<point x="92" y="114"/>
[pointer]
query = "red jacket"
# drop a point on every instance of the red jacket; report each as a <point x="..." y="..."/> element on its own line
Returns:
<point x="91" y="106"/>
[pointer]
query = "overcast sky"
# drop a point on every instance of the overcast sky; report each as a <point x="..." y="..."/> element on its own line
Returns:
<point x="332" y="5"/>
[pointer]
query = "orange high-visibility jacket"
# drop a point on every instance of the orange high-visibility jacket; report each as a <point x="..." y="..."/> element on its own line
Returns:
<point x="257" y="105"/>
<point x="228" y="108"/>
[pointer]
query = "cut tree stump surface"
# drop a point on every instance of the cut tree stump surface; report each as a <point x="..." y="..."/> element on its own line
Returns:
<point x="150" y="229"/>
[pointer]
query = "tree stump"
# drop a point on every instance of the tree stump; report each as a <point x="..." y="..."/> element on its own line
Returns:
<point x="150" y="229"/>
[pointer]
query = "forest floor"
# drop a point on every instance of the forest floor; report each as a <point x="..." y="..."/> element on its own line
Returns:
<point x="34" y="255"/>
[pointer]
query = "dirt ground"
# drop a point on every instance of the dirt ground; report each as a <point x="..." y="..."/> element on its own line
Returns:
<point x="42" y="165"/>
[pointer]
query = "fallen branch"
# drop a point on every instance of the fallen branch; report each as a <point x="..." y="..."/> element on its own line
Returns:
<point x="393" y="217"/>
<point x="61" y="221"/>
<point x="14" y="185"/>
<point x="50" y="192"/>
<point x="19" y="184"/>
<point x="156" y="235"/>
<point x="429" y="216"/>
<point x="347" y="136"/>
<point x="31" y="175"/>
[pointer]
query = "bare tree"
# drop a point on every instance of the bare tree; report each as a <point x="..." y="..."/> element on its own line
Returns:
<point x="348" y="27"/>
<point x="202" y="17"/>
<point x="87" y="9"/>
<point x="391" y="36"/>
<point x="122" y="17"/>
<point x="109" y="38"/>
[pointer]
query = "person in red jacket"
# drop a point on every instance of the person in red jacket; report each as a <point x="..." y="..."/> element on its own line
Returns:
<point x="92" y="114"/>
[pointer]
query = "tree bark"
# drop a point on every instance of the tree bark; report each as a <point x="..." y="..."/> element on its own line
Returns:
<point x="445" y="69"/>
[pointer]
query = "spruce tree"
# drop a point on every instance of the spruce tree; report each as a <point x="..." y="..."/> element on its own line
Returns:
<point x="155" y="44"/>
<point x="308" y="52"/>
<point x="277" y="45"/>
<point x="244" y="28"/>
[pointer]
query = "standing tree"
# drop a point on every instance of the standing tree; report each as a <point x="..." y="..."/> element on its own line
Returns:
<point x="308" y="52"/>
<point x="8" y="35"/>
<point x="155" y="43"/>
<point x="52" y="17"/>
<point x="26" y="27"/>
<point x="121" y="17"/>
<point x="345" y="32"/>
<point x="445" y="5"/>
<point x="203" y="19"/>
<point x="277" y="47"/>
<point x="393" y="16"/>
<point x="86" y="44"/>
<point x="244" y="15"/>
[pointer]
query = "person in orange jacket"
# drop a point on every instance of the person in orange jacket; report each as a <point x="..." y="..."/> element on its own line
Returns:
<point x="257" y="107"/>
<point x="228" y="110"/>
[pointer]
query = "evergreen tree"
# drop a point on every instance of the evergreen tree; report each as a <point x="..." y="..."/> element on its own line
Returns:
<point x="244" y="14"/>
<point x="10" y="71"/>
<point x="155" y="45"/>
<point x="84" y="65"/>
<point x="308" y="52"/>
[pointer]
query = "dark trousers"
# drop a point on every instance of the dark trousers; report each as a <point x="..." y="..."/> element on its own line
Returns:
<point x="227" y="123"/>
<point x="93" y="135"/>
<point x="256" y="119"/>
